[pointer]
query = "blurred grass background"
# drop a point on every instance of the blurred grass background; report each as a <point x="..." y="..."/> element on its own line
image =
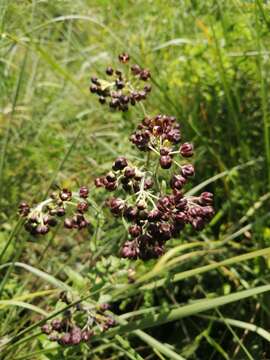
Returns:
<point x="210" y="68"/>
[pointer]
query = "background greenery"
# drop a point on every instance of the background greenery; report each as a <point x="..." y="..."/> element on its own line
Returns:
<point x="210" y="67"/>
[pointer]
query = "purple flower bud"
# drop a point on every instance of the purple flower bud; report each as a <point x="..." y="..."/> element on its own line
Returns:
<point x="99" y="181"/>
<point x="164" y="203"/>
<point x="86" y="335"/>
<point x="65" y="195"/>
<point x="46" y="329"/>
<point x="129" y="172"/>
<point x="68" y="224"/>
<point x="82" y="206"/>
<point x="164" y="151"/>
<point x="93" y="88"/>
<point x="197" y="223"/>
<point x="110" y="322"/>
<point x="116" y="205"/>
<point x="174" y="136"/>
<point x="60" y="212"/>
<point x="180" y="218"/>
<point x="56" y="324"/>
<point x="165" y="161"/>
<point x="147" y="88"/>
<point x="135" y="69"/>
<point x="65" y="339"/>
<point x="83" y="192"/>
<point x="24" y="209"/>
<point x="111" y="186"/>
<point x="120" y="163"/>
<point x="181" y="204"/>
<point x="187" y="170"/>
<point x="109" y="71"/>
<point x="144" y="74"/>
<point x="186" y="150"/>
<point x="178" y="181"/>
<point x="157" y="250"/>
<point x="110" y="177"/>
<point x="123" y="58"/>
<point x="135" y="230"/>
<point x="131" y="213"/>
<point x="154" y="215"/>
<point x="75" y="335"/>
<point x="165" y="231"/>
<point x="130" y="250"/>
<point x="141" y="204"/>
<point x="42" y="229"/>
<point x="195" y="211"/>
<point x="208" y="212"/>
<point x="94" y="80"/>
<point x="148" y="183"/>
<point x="206" y="198"/>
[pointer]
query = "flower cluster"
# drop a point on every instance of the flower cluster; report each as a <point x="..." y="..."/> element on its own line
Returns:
<point x="161" y="134"/>
<point x="67" y="331"/>
<point x="39" y="219"/>
<point x="154" y="219"/>
<point x="155" y="214"/>
<point x="126" y="176"/>
<point x="123" y="87"/>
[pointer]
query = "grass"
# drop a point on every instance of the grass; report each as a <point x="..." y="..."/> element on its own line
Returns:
<point x="210" y="66"/>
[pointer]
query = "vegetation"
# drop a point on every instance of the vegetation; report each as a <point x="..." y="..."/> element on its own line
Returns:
<point x="207" y="296"/>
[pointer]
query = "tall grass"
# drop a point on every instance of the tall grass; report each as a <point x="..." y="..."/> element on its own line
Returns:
<point x="210" y="63"/>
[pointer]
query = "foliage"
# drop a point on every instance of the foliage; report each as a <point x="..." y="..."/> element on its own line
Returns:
<point x="207" y="297"/>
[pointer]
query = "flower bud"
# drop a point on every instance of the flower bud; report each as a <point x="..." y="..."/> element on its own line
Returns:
<point x="180" y="218"/>
<point x="111" y="177"/>
<point x="186" y="150"/>
<point x="154" y="215"/>
<point x="187" y="170"/>
<point x="82" y="206"/>
<point x="83" y="192"/>
<point x="65" y="339"/>
<point x="141" y="204"/>
<point x="42" y="229"/>
<point x="46" y="329"/>
<point x="24" y="209"/>
<point x="86" y="334"/>
<point x="148" y="183"/>
<point x="120" y="163"/>
<point x="116" y="205"/>
<point x="111" y="186"/>
<point x="75" y="335"/>
<point x="56" y="324"/>
<point x="130" y="250"/>
<point x="135" y="69"/>
<point x="109" y="71"/>
<point x="65" y="195"/>
<point x="131" y="213"/>
<point x="135" y="230"/>
<point x="60" y="212"/>
<point x="68" y="224"/>
<point x="197" y="223"/>
<point x="178" y="181"/>
<point x="144" y="75"/>
<point x="165" y="161"/>
<point x="206" y="198"/>
<point x="129" y="172"/>
<point x="123" y="58"/>
<point x="99" y="181"/>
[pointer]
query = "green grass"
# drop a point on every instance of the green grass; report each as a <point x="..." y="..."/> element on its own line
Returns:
<point x="210" y="67"/>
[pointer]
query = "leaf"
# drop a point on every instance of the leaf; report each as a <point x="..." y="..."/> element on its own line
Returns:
<point x="4" y="303"/>
<point x="191" y="309"/>
<point x="47" y="277"/>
